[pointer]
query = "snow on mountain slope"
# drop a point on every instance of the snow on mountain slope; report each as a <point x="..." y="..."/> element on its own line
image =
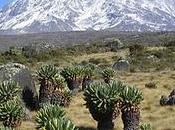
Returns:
<point x="68" y="15"/>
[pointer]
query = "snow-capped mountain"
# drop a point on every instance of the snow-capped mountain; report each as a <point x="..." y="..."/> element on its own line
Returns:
<point x="73" y="15"/>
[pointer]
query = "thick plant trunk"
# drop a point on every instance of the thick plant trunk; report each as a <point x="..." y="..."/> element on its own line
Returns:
<point x="86" y="82"/>
<point x="131" y="119"/>
<point x="105" y="125"/>
<point x="44" y="93"/>
<point x="58" y="98"/>
<point x="73" y="85"/>
<point x="43" y="96"/>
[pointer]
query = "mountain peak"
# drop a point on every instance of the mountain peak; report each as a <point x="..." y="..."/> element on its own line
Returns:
<point x="70" y="15"/>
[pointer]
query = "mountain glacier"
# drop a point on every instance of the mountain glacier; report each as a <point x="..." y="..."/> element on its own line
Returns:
<point x="78" y="15"/>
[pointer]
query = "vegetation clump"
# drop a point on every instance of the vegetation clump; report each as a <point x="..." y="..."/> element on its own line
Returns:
<point x="52" y="87"/>
<point x="11" y="110"/>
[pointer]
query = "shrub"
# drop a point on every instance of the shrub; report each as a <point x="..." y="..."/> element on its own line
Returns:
<point x="131" y="97"/>
<point x="102" y="100"/>
<point x="47" y="113"/>
<point x="145" y="127"/>
<point x="11" y="114"/>
<point x="60" y="124"/>
<point x="9" y="90"/>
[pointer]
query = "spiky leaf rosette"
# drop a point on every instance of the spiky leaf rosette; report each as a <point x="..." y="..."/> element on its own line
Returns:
<point x="47" y="72"/>
<point x="48" y="112"/>
<point x="145" y="127"/>
<point x="60" y="124"/>
<point x="131" y="97"/>
<point x="108" y="72"/>
<point x="102" y="99"/>
<point x="89" y="70"/>
<point x="59" y="83"/>
<point x="11" y="113"/>
<point x="72" y="72"/>
<point x="9" y="90"/>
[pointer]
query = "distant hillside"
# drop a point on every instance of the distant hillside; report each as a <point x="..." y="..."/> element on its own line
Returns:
<point x="63" y="39"/>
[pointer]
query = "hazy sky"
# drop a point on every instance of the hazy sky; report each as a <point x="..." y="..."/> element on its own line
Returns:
<point x="3" y="2"/>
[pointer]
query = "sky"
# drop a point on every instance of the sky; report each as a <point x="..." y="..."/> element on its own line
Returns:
<point x="4" y="2"/>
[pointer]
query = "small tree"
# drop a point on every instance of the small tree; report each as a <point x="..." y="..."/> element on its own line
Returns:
<point x="88" y="73"/>
<point x="131" y="97"/>
<point x="73" y="77"/>
<point x="46" y="75"/>
<point x="102" y="100"/>
<point x="108" y="74"/>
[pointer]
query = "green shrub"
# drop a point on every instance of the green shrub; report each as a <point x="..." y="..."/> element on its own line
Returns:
<point x="145" y="127"/>
<point x="47" y="113"/>
<point x="9" y="90"/>
<point x="60" y="124"/>
<point x="11" y="114"/>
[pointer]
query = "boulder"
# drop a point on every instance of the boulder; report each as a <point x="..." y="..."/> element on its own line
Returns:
<point x="22" y="75"/>
<point x="122" y="65"/>
<point x="171" y="100"/>
<point x="164" y="100"/>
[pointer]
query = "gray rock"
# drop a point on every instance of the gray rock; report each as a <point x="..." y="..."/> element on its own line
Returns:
<point x="22" y="75"/>
<point x="122" y="65"/>
<point x="164" y="100"/>
<point x="172" y="93"/>
<point x="171" y="100"/>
